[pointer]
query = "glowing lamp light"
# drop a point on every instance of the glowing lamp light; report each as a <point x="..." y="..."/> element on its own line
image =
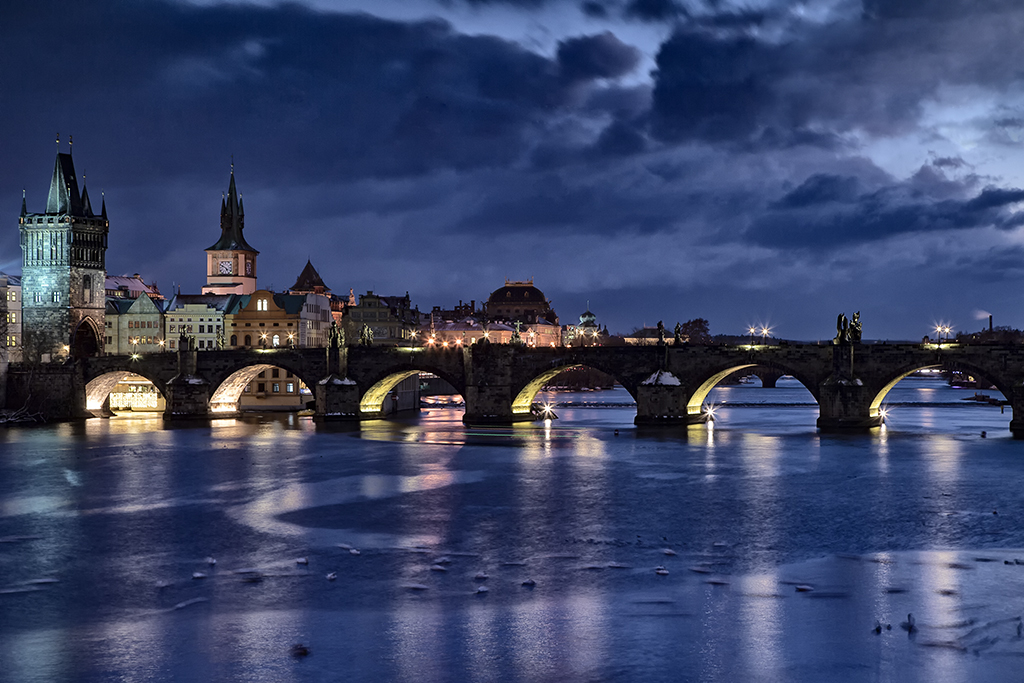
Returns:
<point x="444" y="344"/>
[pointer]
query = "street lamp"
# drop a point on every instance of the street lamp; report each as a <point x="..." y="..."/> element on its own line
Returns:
<point x="764" y="334"/>
<point x="752" y="331"/>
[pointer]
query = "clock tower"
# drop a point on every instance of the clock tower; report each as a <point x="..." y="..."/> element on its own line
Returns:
<point x="231" y="262"/>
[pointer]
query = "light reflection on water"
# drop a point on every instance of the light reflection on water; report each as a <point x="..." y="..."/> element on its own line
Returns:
<point x="877" y="525"/>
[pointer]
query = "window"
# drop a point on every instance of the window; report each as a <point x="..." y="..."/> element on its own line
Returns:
<point x="261" y="386"/>
<point x="87" y="289"/>
<point x="275" y="373"/>
<point x="248" y="340"/>
<point x="172" y="328"/>
<point x="248" y="388"/>
<point x="287" y="374"/>
<point x="277" y="340"/>
<point x="56" y="297"/>
<point x="234" y="340"/>
<point x="276" y="388"/>
<point x="202" y="329"/>
<point x="202" y="344"/>
<point x="262" y="374"/>
<point x="290" y="387"/>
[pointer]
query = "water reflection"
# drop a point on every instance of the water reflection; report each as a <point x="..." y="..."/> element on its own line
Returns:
<point x="759" y="499"/>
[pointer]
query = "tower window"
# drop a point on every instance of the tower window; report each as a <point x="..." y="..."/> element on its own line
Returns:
<point x="56" y="297"/>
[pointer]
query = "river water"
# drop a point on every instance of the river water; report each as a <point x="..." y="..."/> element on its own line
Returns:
<point x="781" y="547"/>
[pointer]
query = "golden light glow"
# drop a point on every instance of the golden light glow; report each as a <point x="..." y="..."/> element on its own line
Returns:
<point x="160" y="342"/>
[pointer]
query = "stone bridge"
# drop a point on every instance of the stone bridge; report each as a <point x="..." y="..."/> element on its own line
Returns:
<point x="499" y="382"/>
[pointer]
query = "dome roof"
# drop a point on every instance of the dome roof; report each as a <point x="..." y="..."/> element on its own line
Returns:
<point x="517" y="292"/>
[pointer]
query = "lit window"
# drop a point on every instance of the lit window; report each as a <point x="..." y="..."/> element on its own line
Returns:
<point x="276" y="388"/>
<point x="290" y="387"/>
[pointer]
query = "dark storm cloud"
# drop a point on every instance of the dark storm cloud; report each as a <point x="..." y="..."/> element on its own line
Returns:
<point x="810" y="83"/>
<point x="828" y="211"/>
<point x="597" y="56"/>
<point x="296" y="93"/>
<point x="653" y="10"/>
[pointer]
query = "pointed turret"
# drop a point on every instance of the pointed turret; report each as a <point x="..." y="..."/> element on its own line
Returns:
<point x="24" y="206"/>
<point x="232" y="222"/>
<point x="103" y="202"/>
<point x="63" y="197"/>
<point x="86" y="204"/>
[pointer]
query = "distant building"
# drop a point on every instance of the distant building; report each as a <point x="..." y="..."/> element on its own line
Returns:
<point x="200" y="316"/>
<point x="520" y="301"/>
<point x="586" y="333"/>
<point x="134" y="325"/>
<point x="10" y="318"/>
<point x="231" y="262"/>
<point x="460" y="312"/>
<point x="63" y="270"/>
<point x="129" y="287"/>
<point x="310" y="282"/>
<point x="268" y="320"/>
<point x="392" y="319"/>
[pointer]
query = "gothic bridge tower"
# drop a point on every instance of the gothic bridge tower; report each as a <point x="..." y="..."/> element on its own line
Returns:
<point x="63" y="270"/>
<point x="231" y="262"/>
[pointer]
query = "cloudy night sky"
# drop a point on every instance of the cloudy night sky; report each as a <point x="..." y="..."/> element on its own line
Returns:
<point x="752" y="162"/>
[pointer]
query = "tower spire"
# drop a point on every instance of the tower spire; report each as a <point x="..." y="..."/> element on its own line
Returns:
<point x="103" y="207"/>
<point x="24" y="207"/>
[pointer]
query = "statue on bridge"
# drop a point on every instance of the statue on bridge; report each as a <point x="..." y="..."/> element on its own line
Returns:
<point x="678" y="339"/>
<point x="366" y="336"/>
<point x="661" y="333"/>
<point x="842" y="330"/>
<point x="848" y="332"/>
<point x="517" y="337"/>
<point x="186" y="342"/>
<point x="335" y="335"/>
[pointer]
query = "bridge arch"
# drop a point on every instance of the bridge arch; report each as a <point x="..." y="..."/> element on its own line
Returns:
<point x="523" y="401"/>
<point x="228" y="385"/>
<point x="99" y="387"/>
<point x="372" y="400"/>
<point x="696" y="401"/>
<point x="893" y="379"/>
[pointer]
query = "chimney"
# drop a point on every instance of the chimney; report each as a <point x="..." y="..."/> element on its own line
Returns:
<point x="990" y="322"/>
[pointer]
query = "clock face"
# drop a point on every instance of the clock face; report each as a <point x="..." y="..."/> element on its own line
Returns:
<point x="248" y="267"/>
<point x="225" y="267"/>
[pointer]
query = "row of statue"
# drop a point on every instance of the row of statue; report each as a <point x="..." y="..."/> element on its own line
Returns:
<point x="847" y="331"/>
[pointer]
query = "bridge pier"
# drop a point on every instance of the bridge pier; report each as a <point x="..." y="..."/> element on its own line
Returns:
<point x="845" y="405"/>
<point x="187" y="393"/>
<point x="337" y="399"/>
<point x="337" y="396"/>
<point x="658" y="404"/>
<point x="492" y="404"/>
<point x="1017" y="406"/>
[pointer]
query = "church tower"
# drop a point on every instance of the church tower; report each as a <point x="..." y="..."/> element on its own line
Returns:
<point x="63" y="270"/>
<point x="231" y="262"/>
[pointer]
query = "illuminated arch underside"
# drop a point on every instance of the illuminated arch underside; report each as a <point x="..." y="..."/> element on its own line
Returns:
<point x="230" y="390"/>
<point x="697" y="400"/>
<point x="373" y="399"/>
<point x="522" y="403"/>
<point x="97" y="390"/>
